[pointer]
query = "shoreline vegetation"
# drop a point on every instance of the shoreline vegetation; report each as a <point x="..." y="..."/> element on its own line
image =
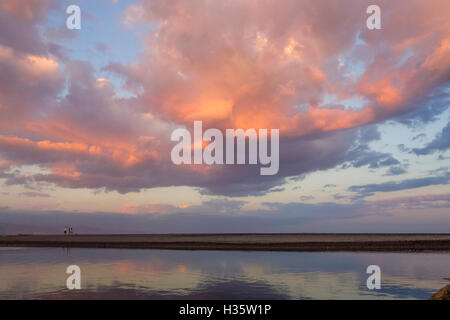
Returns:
<point x="242" y="242"/>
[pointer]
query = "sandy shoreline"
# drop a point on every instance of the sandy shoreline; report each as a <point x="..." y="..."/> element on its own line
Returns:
<point x="256" y="242"/>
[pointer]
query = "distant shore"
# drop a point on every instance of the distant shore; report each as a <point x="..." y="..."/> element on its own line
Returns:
<point x="251" y="242"/>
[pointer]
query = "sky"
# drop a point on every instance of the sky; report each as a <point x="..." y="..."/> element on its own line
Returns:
<point x="86" y="116"/>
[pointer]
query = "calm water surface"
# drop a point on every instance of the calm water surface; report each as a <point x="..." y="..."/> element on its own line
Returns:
<point x="39" y="273"/>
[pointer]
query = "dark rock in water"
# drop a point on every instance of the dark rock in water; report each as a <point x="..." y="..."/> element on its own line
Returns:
<point x="443" y="294"/>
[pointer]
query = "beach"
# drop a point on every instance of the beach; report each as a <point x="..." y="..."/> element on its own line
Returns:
<point x="252" y="242"/>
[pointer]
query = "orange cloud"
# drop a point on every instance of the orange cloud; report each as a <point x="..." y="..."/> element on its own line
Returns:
<point x="66" y="170"/>
<point x="22" y="9"/>
<point x="255" y="74"/>
<point x="440" y="57"/>
<point x="231" y="64"/>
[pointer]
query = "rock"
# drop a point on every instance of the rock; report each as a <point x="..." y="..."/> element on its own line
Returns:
<point x="443" y="294"/>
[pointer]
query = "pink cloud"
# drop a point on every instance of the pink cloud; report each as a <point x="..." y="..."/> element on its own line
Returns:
<point x="149" y="208"/>
<point x="27" y="9"/>
<point x="233" y="64"/>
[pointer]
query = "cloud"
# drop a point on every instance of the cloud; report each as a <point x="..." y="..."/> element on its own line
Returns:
<point x="296" y="73"/>
<point x="439" y="143"/>
<point x="419" y="136"/>
<point x="403" y="148"/>
<point x="222" y="215"/>
<point x="209" y="217"/>
<point x="102" y="47"/>
<point x="19" y="21"/>
<point x="428" y="109"/>
<point x="246" y="65"/>
<point x="414" y="202"/>
<point x="27" y="10"/>
<point x="395" y="171"/>
<point x="370" y="189"/>
<point x="338" y="196"/>
<point x="149" y="208"/>
<point x="363" y="156"/>
<point x="32" y="194"/>
<point x="360" y="154"/>
<point x="59" y="34"/>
